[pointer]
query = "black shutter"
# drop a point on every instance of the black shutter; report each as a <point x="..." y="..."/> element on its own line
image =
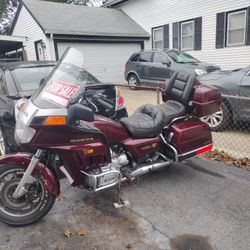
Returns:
<point x="166" y="36"/>
<point x="197" y="33"/>
<point x="176" y="43"/>
<point x="248" y="27"/>
<point x="220" y="30"/>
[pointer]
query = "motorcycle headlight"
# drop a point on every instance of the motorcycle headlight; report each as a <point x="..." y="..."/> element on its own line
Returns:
<point x="23" y="133"/>
<point x="19" y="105"/>
<point x="200" y="72"/>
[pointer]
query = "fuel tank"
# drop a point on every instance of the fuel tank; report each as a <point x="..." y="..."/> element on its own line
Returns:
<point x="113" y="130"/>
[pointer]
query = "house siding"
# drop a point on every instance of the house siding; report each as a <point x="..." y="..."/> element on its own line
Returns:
<point x="154" y="13"/>
<point x="27" y="26"/>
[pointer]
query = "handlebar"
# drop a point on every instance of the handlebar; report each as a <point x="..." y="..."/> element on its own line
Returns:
<point x="105" y="104"/>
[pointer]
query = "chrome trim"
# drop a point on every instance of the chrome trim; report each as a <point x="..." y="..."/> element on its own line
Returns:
<point x="147" y="168"/>
<point x="172" y="147"/>
<point x="175" y="119"/>
<point x="236" y="97"/>
<point x="52" y="112"/>
<point x="20" y="189"/>
<point x="193" y="151"/>
<point x="95" y="176"/>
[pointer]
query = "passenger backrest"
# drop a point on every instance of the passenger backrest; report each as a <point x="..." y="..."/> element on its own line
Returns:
<point x="180" y="86"/>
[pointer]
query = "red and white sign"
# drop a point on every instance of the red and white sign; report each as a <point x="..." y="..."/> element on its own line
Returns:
<point x="59" y="92"/>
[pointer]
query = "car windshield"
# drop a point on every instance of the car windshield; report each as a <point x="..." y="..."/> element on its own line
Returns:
<point x="28" y="78"/>
<point x="181" y="57"/>
<point x="66" y="80"/>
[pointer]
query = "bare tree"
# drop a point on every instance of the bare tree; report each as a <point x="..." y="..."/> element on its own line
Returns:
<point x="8" y="10"/>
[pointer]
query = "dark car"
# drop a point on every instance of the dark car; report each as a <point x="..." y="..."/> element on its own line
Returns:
<point x="235" y="88"/>
<point x="155" y="66"/>
<point x="22" y="79"/>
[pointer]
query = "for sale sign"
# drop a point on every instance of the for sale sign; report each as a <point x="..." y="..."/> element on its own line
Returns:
<point x="59" y="92"/>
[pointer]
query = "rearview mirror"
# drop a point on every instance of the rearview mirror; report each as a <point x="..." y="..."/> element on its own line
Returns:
<point x="43" y="81"/>
<point x="79" y="112"/>
<point x="166" y="62"/>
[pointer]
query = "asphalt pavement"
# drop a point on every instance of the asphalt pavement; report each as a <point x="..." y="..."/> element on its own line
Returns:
<point x="198" y="205"/>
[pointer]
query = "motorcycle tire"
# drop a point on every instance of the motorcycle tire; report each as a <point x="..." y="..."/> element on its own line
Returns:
<point x="29" y="208"/>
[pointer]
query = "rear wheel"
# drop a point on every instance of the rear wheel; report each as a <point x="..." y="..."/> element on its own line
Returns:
<point x="31" y="207"/>
<point x="133" y="82"/>
<point x="219" y="120"/>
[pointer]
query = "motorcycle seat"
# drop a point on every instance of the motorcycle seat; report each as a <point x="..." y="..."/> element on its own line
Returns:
<point x="178" y="92"/>
<point x="172" y="109"/>
<point x="146" y="122"/>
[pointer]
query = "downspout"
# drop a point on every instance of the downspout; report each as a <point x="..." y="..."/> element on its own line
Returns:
<point x="52" y="47"/>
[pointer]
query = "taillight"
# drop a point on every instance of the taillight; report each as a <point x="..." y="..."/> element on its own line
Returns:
<point x="119" y="99"/>
<point x="126" y="65"/>
<point x="204" y="149"/>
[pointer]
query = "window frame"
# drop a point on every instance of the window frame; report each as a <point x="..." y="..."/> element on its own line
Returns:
<point x="163" y="55"/>
<point x="2" y="76"/>
<point x="193" y="35"/>
<point x="227" y="28"/>
<point x="143" y="53"/>
<point x="153" y="36"/>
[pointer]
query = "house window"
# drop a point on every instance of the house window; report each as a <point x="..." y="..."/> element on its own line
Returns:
<point x="236" y="28"/>
<point x="187" y="35"/>
<point x="158" y="38"/>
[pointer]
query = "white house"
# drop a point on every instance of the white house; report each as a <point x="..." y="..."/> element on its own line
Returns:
<point x="107" y="37"/>
<point x="216" y="31"/>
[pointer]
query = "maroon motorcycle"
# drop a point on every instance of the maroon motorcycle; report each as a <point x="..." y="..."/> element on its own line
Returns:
<point x="96" y="152"/>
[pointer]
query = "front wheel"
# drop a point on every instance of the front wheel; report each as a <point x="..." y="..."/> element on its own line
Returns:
<point x="31" y="207"/>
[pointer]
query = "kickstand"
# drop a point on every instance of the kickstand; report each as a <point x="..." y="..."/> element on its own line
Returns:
<point x="121" y="203"/>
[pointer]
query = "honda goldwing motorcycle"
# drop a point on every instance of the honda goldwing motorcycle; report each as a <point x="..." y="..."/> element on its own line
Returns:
<point x="96" y="152"/>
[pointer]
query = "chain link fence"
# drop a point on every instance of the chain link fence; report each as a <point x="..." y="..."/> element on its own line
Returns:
<point x="230" y="132"/>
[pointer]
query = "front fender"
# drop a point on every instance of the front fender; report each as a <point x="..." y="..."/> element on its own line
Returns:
<point x="23" y="160"/>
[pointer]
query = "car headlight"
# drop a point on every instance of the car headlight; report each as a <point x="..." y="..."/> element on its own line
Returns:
<point x="200" y="72"/>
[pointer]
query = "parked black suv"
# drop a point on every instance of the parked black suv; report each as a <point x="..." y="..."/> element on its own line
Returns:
<point x="155" y="66"/>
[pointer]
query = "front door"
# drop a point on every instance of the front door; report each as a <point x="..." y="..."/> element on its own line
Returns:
<point x="40" y="50"/>
<point x="160" y="69"/>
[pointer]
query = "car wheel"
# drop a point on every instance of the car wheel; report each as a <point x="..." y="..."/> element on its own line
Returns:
<point x="4" y="148"/>
<point x="219" y="120"/>
<point x="133" y="82"/>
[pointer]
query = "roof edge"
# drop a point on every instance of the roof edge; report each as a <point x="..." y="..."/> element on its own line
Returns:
<point x="112" y="4"/>
<point x="16" y="17"/>
<point x="22" y="4"/>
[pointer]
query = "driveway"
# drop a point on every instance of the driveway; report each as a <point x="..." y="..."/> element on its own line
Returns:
<point x="194" y="205"/>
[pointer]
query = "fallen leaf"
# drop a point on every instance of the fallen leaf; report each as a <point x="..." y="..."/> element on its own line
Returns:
<point x="129" y="246"/>
<point x="81" y="232"/>
<point x="68" y="233"/>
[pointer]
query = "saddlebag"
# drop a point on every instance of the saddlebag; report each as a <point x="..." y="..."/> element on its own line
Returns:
<point x="189" y="137"/>
<point x="206" y="100"/>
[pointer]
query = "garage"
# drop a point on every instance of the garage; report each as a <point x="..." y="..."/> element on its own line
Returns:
<point x="106" y="61"/>
<point x="12" y="48"/>
<point x="107" y="37"/>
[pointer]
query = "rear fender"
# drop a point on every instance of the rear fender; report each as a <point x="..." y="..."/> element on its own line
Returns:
<point x="22" y="160"/>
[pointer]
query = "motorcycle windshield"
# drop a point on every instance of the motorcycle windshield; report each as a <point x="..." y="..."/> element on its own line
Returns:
<point x="64" y="82"/>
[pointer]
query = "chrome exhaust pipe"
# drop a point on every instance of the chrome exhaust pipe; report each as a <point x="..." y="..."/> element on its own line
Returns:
<point x="148" y="168"/>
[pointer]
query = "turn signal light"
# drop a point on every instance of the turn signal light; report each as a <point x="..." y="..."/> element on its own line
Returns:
<point x="89" y="151"/>
<point x="55" y="120"/>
